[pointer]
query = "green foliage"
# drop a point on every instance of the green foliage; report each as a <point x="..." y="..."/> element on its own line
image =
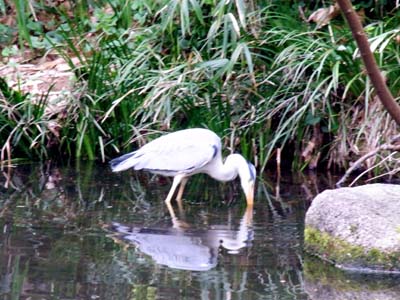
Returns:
<point x="254" y="72"/>
<point x="24" y="130"/>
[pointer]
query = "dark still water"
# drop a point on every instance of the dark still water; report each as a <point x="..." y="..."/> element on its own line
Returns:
<point x="82" y="232"/>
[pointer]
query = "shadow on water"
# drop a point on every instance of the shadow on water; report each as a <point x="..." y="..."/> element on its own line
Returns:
<point x="85" y="233"/>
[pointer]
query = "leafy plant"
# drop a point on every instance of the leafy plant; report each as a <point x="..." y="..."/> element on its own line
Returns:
<point x="23" y="126"/>
<point x="255" y="72"/>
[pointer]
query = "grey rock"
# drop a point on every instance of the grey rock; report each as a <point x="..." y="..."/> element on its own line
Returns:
<point x="356" y="227"/>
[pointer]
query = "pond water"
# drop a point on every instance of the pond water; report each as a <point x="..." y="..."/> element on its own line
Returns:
<point x="82" y="232"/>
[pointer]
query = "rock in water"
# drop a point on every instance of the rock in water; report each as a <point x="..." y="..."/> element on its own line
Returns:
<point x="356" y="228"/>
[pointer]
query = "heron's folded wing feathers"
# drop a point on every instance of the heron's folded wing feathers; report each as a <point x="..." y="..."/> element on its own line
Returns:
<point x="176" y="158"/>
<point x="123" y="162"/>
<point x="182" y="151"/>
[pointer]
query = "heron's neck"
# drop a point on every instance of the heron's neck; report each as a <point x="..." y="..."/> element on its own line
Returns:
<point x="229" y="170"/>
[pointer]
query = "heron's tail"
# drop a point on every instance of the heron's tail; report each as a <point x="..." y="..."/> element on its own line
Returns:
<point x="123" y="162"/>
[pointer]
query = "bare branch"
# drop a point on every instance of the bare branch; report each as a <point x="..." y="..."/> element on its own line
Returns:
<point x="369" y="60"/>
<point x="357" y="164"/>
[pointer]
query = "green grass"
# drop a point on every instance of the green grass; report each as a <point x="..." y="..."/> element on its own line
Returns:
<point x="253" y="72"/>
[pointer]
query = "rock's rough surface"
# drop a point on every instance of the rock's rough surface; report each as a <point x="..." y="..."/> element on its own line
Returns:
<point x="356" y="227"/>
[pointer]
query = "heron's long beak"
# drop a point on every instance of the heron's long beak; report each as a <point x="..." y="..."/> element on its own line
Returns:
<point x="250" y="194"/>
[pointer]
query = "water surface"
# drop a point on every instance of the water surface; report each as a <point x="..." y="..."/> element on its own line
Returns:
<point x="81" y="232"/>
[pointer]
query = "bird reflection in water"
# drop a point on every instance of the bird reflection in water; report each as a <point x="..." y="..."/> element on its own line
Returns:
<point x="183" y="247"/>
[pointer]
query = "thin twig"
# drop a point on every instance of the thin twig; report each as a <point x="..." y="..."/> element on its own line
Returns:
<point x="369" y="169"/>
<point x="390" y="173"/>
<point x="358" y="162"/>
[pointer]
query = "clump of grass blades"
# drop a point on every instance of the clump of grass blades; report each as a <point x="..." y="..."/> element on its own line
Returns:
<point x="24" y="128"/>
<point x="319" y="81"/>
<point x="374" y="125"/>
<point x="257" y="75"/>
<point x="142" y="85"/>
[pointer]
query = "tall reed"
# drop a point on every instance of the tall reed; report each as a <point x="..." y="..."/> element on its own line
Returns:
<point x="253" y="71"/>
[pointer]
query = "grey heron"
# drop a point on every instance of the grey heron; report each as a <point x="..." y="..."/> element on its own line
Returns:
<point x="184" y="153"/>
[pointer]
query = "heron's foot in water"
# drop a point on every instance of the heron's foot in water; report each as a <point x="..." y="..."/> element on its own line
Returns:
<point x="179" y="224"/>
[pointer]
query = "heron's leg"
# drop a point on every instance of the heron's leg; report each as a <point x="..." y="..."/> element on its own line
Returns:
<point x="171" y="212"/>
<point x="177" y="180"/>
<point x="180" y="193"/>
<point x="175" y="183"/>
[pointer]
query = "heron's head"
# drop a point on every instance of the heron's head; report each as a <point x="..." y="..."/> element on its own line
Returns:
<point x="247" y="180"/>
<point x="247" y="173"/>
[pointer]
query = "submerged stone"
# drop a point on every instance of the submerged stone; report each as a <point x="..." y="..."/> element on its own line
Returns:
<point x="356" y="228"/>
<point x="329" y="283"/>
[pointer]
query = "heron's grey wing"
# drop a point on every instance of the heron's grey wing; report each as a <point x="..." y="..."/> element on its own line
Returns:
<point x="172" y="159"/>
<point x="182" y="151"/>
<point x="123" y="162"/>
